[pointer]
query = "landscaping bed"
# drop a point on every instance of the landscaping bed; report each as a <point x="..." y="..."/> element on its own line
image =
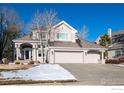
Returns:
<point x="116" y="60"/>
<point x="113" y="61"/>
<point x="9" y="67"/>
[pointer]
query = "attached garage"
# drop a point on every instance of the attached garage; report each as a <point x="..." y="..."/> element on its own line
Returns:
<point x="92" y="57"/>
<point x="68" y="56"/>
<point x="70" y="52"/>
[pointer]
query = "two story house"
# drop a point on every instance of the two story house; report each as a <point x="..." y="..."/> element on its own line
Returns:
<point x="59" y="45"/>
<point x="117" y="47"/>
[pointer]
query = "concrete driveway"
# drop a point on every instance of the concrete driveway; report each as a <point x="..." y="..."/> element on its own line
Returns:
<point x="96" y="74"/>
<point x="93" y="74"/>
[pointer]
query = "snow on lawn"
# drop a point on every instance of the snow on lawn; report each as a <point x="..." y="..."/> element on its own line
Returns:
<point x="120" y="65"/>
<point x="41" y="72"/>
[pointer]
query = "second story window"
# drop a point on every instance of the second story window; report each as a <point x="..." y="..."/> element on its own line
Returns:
<point x="43" y="36"/>
<point x="62" y="36"/>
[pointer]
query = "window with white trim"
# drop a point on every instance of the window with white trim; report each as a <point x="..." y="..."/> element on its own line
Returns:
<point x="62" y="36"/>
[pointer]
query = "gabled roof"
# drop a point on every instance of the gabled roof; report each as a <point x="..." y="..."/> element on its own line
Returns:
<point x="64" y="44"/>
<point x="98" y="38"/>
<point x="63" y="22"/>
<point x="82" y="44"/>
<point x="87" y="44"/>
<point x="27" y="38"/>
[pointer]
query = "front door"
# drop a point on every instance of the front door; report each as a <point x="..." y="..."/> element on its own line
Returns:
<point x="27" y="54"/>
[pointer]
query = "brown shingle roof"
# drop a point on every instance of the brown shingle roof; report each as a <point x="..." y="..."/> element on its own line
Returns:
<point x="28" y="37"/>
<point x="64" y="44"/>
<point x="117" y="45"/>
<point x="83" y="44"/>
<point x="78" y="44"/>
<point x="118" y="32"/>
<point x="87" y="44"/>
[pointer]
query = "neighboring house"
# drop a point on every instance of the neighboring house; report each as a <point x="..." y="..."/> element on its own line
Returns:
<point x="117" y="47"/>
<point x="60" y="46"/>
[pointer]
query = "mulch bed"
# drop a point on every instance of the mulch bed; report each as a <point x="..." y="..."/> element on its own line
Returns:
<point x="9" y="67"/>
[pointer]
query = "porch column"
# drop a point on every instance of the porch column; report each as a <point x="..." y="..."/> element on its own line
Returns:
<point x="24" y="55"/>
<point x="102" y="57"/>
<point x="17" y="52"/>
<point x="17" y="46"/>
<point x="34" y="54"/>
<point x="29" y="54"/>
<point x="84" y="55"/>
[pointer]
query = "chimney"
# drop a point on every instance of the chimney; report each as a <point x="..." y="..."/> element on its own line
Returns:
<point x="110" y="32"/>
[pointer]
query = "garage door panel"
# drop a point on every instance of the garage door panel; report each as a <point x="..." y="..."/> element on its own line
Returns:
<point x="92" y="58"/>
<point x="68" y="57"/>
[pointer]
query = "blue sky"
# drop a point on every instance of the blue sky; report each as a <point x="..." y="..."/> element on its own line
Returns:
<point x="97" y="17"/>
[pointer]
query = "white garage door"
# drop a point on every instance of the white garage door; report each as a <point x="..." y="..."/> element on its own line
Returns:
<point x="92" y="58"/>
<point x="68" y="57"/>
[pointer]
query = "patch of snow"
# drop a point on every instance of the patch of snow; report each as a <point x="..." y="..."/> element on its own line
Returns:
<point x="41" y="72"/>
<point x="120" y="65"/>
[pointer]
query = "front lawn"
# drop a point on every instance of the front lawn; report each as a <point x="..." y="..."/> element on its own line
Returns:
<point x="43" y="73"/>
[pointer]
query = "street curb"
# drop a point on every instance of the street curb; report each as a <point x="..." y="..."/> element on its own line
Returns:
<point x="15" y="82"/>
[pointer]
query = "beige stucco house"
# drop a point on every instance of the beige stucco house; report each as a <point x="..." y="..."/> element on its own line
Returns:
<point x="59" y="45"/>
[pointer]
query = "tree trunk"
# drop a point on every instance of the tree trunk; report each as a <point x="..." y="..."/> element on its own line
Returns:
<point x="1" y="54"/>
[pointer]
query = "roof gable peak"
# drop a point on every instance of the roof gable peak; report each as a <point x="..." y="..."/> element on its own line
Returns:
<point x="63" y="22"/>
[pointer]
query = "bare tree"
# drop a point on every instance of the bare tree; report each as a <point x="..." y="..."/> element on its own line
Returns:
<point x="50" y="18"/>
<point x="44" y="21"/>
<point x="37" y="21"/>
<point x="83" y="33"/>
<point x="10" y="26"/>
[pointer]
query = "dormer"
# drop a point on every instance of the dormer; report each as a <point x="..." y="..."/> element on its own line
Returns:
<point x="35" y="34"/>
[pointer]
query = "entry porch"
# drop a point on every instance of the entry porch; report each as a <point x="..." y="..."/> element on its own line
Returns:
<point x="28" y="52"/>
